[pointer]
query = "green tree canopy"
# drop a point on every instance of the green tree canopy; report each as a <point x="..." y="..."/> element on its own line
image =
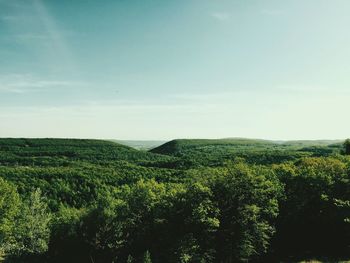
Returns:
<point x="347" y="146"/>
<point x="32" y="226"/>
<point x="9" y="208"/>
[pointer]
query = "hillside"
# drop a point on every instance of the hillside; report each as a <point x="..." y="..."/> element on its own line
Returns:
<point x="78" y="200"/>
<point x="73" y="171"/>
<point x="38" y="150"/>
<point x="217" y="151"/>
<point x="175" y="147"/>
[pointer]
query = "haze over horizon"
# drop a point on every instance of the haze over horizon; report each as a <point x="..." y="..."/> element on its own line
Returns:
<point x="160" y="70"/>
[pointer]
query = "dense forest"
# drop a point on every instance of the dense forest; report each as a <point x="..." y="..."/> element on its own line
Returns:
<point x="229" y="200"/>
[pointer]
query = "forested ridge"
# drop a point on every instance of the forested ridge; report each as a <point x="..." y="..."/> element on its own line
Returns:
<point x="229" y="200"/>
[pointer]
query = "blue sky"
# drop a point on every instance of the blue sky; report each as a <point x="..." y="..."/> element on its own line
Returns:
<point x="158" y="69"/>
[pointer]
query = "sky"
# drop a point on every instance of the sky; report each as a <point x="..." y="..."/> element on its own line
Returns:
<point x="161" y="69"/>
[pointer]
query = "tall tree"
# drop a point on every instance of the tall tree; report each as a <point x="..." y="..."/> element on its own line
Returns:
<point x="32" y="230"/>
<point x="9" y="208"/>
<point x="247" y="197"/>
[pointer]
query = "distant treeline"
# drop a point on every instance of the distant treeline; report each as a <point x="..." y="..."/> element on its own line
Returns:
<point x="232" y="200"/>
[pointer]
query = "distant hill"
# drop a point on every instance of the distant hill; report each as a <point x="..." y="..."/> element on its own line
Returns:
<point x="177" y="146"/>
<point x="73" y="149"/>
<point x="304" y="143"/>
<point x="215" y="152"/>
<point x="73" y="171"/>
<point x="140" y="144"/>
<point x="182" y="153"/>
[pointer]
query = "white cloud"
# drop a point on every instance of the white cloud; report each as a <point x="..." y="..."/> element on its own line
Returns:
<point x="222" y="16"/>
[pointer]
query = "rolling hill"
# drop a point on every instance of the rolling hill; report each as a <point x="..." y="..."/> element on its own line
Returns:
<point x="215" y="152"/>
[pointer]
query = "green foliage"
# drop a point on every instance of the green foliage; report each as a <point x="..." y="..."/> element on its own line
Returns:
<point x="24" y="225"/>
<point x="147" y="257"/>
<point x="347" y="147"/>
<point x="231" y="200"/>
<point x="345" y="207"/>
<point x="248" y="201"/>
<point x="194" y="153"/>
<point x="67" y="243"/>
<point x="312" y="216"/>
<point x="32" y="226"/>
<point x="9" y="208"/>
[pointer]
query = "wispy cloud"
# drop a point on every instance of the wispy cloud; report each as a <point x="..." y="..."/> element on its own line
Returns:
<point x="25" y="83"/>
<point x="221" y="16"/>
<point x="14" y="3"/>
<point x="36" y="28"/>
<point x="10" y="18"/>
<point x="54" y="34"/>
